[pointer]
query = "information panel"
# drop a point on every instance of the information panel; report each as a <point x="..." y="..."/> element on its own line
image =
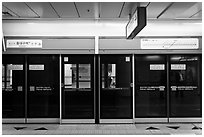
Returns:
<point x="36" y="67"/>
<point x="157" y="67"/>
<point x="170" y="43"/>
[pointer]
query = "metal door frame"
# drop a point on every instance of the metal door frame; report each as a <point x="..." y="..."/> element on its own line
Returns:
<point x="168" y="119"/>
<point x="71" y="121"/>
<point x="106" y="121"/>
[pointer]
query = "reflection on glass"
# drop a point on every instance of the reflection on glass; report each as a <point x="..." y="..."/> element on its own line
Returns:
<point x="84" y="76"/>
<point x="9" y="73"/>
<point x="70" y="75"/>
<point x="184" y="86"/>
<point x="3" y="77"/>
<point x="108" y="75"/>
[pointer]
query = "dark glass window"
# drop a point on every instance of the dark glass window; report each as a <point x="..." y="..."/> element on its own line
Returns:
<point x="13" y="89"/>
<point x="43" y="86"/>
<point x="185" y="86"/>
<point x="150" y="86"/>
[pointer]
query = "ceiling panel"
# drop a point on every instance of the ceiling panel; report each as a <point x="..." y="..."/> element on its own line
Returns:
<point x="197" y="15"/>
<point x="191" y="11"/>
<point x="7" y="13"/>
<point x="110" y="9"/>
<point x="65" y="9"/>
<point x="43" y="9"/>
<point x="176" y="10"/>
<point x="143" y="4"/>
<point x="155" y="8"/>
<point x="128" y="8"/>
<point x="86" y="9"/>
<point x="21" y="9"/>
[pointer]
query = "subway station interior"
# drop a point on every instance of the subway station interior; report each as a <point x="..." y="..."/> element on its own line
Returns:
<point x="101" y="62"/>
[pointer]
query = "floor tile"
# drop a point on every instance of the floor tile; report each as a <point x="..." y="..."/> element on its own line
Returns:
<point x="102" y="129"/>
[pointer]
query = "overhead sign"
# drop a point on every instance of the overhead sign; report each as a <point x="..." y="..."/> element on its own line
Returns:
<point x="24" y="44"/>
<point x="178" y="66"/>
<point x="137" y="22"/>
<point x="170" y="43"/>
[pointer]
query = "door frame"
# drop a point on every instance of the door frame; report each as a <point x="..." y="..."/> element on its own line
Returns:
<point x="71" y="121"/>
<point x="111" y="121"/>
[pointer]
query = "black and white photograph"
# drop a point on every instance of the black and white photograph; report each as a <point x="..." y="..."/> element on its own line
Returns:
<point x="101" y="67"/>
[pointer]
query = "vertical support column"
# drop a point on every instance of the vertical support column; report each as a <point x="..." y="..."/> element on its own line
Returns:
<point x="97" y="88"/>
<point x="60" y="86"/>
<point x="77" y="76"/>
<point x="168" y="88"/>
<point x="133" y="84"/>
<point x="3" y="43"/>
<point x="96" y="44"/>
<point x="26" y="69"/>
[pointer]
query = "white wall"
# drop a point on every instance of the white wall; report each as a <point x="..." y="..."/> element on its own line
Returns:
<point x="107" y="28"/>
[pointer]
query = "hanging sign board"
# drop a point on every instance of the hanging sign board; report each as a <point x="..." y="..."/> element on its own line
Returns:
<point x="178" y="66"/>
<point x="36" y="67"/>
<point x="170" y="43"/>
<point x="137" y="22"/>
<point x="157" y="67"/>
<point x="24" y="44"/>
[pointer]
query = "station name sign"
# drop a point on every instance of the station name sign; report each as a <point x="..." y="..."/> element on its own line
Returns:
<point x="24" y="44"/>
<point x="137" y="22"/>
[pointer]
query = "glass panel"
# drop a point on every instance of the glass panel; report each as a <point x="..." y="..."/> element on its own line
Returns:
<point x="185" y="95"/>
<point x="150" y="93"/>
<point x="116" y="93"/>
<point x="84" y="76"/>
<point x="78" y="95"/>
<point x="70" y="75"/>
<point x="13" y="94"/>
<point x="43" y="86"/>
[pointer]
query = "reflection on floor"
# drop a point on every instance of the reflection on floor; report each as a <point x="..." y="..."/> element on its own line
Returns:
<point x="103" y="129"/>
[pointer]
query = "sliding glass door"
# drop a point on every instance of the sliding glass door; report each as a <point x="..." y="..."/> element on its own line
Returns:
<point x="13" y="88"/>
<point x="185" y="86"/>
<point x="77" y="90"/>
<point x="150" y="86"/>
<point x="43" y="88"/>
<point x="115" y="89"/>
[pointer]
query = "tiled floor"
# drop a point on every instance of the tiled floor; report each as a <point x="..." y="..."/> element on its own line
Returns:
<point x="103" y="129"/>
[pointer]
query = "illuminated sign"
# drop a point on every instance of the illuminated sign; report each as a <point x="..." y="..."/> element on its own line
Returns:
<point x="170" y="43"/>
<point x="178" y="66"/>
<point x="157" y="67"/>
<point x="137" y="22"/>
<point x="36" y="67"/>
<point x="15" y="67"/>
<point x="24" y="43"/>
